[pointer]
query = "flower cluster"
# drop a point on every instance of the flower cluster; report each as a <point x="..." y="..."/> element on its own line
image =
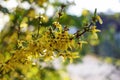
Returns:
<point x="47" y="43"/>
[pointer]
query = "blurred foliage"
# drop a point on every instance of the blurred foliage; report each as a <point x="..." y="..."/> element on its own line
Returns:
<point x="109" y="40"/>
<point x="109" y="47"/>
<point x="30" y="39"/>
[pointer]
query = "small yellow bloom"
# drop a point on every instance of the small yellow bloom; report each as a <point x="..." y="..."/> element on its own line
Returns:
<point x="81" y="43"/>
<point x="85" y="12"/>
<point x="49" y="55"/>
<point x="42" y="18"/>
<point x="57" y="25"/>
<point x="99" y="19"/>
<point x="73" y="56"/>
<point x="94" y="32"/>
<point x="69" y="55"/>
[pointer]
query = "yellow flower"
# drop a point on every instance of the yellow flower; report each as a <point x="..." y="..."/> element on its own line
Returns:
<point x="42" y="18"/>
<point x="57" y="25"/>
<point x="73" y="56"/>
<point x="94" y="32"/>
<point x="49" y="55"/>
<point x="99" y="19"/>
<point x="69" y="55"/>
<point x="81" y="43"/>
<point x="85" y="12"/>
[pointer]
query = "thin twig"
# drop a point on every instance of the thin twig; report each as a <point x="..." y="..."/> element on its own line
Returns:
<point x="39" y="25"/>
<point x="85" y="30"/>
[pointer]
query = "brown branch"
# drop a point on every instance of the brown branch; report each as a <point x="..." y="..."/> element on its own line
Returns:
<point x="85" y="30"/>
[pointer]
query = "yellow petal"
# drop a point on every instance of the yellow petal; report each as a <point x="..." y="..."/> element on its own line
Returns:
<point x="99" y="19"/>
<point x="84" y="42"/>
<point x="94" y="36"/>
<point x="97" y="30"/>
<point x="94" y="30"/>
<point x="85" y="12"/>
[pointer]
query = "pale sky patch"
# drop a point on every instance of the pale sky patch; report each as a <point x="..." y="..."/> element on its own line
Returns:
<point x="104" y="6"/>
